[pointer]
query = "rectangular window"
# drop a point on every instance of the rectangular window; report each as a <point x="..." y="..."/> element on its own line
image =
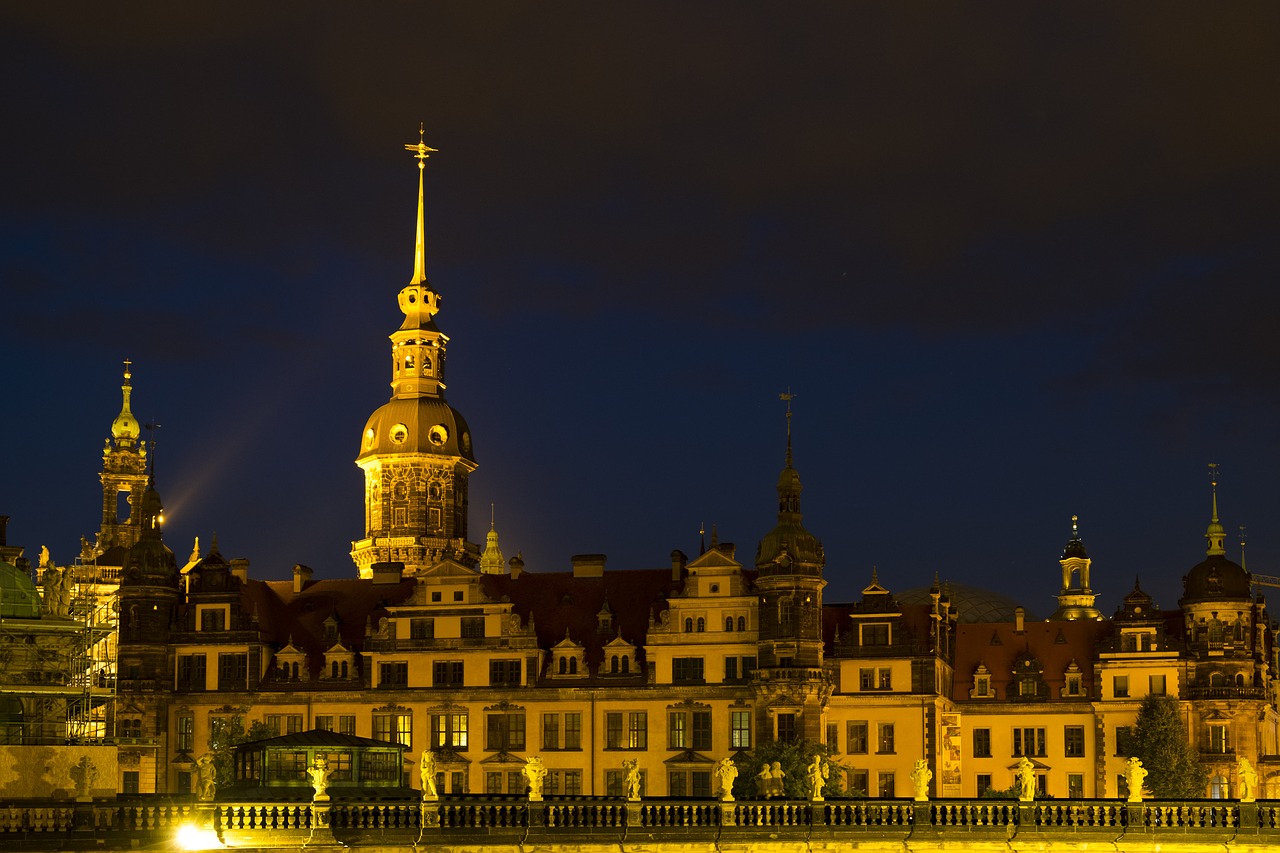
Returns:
<point x="379" y="767"/>
<point x="213" y="620"/>
<point x="292" y="724"/>
<point x="867" y="678"/>
<point x="1123" y="747"/>
<point x="676" y="784"/>
<point x="686" y="670"/>
<point x="1219" y="740"/>
<point x="613" y="730"/>
<point x="233" y="670"/>
<point x="446" y="673"/>
<point x="504" y="673"/>
<point x="702" y="730"/>
<point x="638" y="730"/>
<point x="1029" y="742"/>
<point x="129" y="782"/>
<point x="550" y="731"/>
<point x="422" y="628"/>
<point x="1155" y="685"/>
<point x="1073" y="741"/>
<point x="1075" y="786"/>
<point x="186" y="732"/>
<point x="472" y="627"/>
<point x="856" y="737"/>
<point x="191" y="673"/>
<point x="858" y="783"/>
<point x="701" y="783"/>
<point x="788" y="731"/>
<point x="731" y="669"/>
<point x="615" y="783"/>
<point x="492" y="782"/>
<point x="449" y="731"/>
<point x="505" y="731"/>
<point x="1073" y="685"/>
<point x="875" y="635"/>
<point x="1120" y="686"/>
<point x="516" y="783"/>
<point x="982" y="743"/>
<point x="833" y="737"/>
<point x="393" y="728"/>
<point x="573" y="783"/>
<point x="324" y="722"/>
<point x="984" y="783"/>
<point x="886" y="782"/>
<point x="573" y="730"/>
<point x="184" y="782"/>
<point x="884" y="742"/>
<point x="677" y="734"/>
<point x="393" y="674"/>
<point x="347" y="724"/>
<point x="886" y="678"/>
<point x="272" y="724"/>
<point x="740" y="730"/>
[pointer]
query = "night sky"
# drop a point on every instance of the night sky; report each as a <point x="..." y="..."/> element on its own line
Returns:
<point x="1016" y="261"/>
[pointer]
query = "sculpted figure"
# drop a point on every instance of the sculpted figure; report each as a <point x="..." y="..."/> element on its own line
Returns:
<point x="921" y="775"/>
<point x="633" y="779"/>
<point x="764" y="781"/>
<point x="727" y="772"/>
<point x="1026" y="780"/>
<point x="427" y="775"/>
<point x="44" y="556"/>
<point x="534" y="772"/>
<point x="816" y="774"/>
<point x="319" y="773"/>
<point x="777" y="775"/>
<point x="206" y="778"/>
<point x="1134" y="776"/>
<point x="1248" y="779"/>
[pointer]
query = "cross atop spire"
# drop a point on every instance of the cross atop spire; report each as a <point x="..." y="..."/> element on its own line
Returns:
<point x="421" y="151"/>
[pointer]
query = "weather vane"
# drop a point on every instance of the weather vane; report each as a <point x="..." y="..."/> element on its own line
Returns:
<point x="422" y="151"/>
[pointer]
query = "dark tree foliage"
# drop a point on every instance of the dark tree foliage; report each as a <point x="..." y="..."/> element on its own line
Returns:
<point x="794" y="758"/>
<point x="225" y="734"/>
<point x="1159" y="738"/>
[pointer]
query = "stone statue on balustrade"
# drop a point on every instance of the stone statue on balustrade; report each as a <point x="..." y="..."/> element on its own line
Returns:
<point x="206" y="778"/>
<point x="534" y="772"/>
<point x="319" y="773"/>
<point x="727" y="773"/>
<point x="1134" y="776"/>
<point x="427" y="776"/>
<point x="633" y="779"/>
<point x="1247" y="779"/>
<point x="921" y="776"/>
<point x="1026" y="774"/>
<point x="816" y="775"/>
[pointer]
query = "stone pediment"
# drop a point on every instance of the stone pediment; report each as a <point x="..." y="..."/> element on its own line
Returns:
<point x="446" y="570"/>
<point x="713" y="559"/>
<point x="688" y="757"/>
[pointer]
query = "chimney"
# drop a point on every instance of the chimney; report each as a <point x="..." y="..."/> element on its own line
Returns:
<point x="678" y="562"/>
<point x="301" y="577"/>
<point x="516" y="564"/>
<point x="727" y="548"/>
<point x="1019" y="620"/>
<point x="387" y="572"/>
<point x="588" y="565"/>
<point x="240" y="568"/>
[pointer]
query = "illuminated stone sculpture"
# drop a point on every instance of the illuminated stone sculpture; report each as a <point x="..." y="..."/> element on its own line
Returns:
<point x="1026" y="780"/>
<point x="633" y="779"/>
<point x="206" y="778"/>
<point x="427" y="776"/>
<point x="727" y="773"/>
<point x="534" y="771"/>
<point x="1248" y="780"/>
<point x="1134" y="776"/>
<point x="921" y="776"/>
<point x="816" y="774"/>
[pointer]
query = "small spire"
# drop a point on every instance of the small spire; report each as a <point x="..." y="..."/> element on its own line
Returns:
<point x="702" y="538"/>
<point x="787" y="397"/>
<point x="1215" y="535"/>
<point x="1075" y="527"/>
<point x="1242" y="542"/>
<point x="421" y="151"/>
<point x="124" y="429"/>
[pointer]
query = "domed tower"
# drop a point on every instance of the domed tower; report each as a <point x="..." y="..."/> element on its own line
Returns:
<point x="416" y="449"/>
<point x="1226" y="642"/>
<point x="124" y="472"/>
<point x="149" y="590"/>
<point x="790" y="682"/>
<point x="1076" y="599"/>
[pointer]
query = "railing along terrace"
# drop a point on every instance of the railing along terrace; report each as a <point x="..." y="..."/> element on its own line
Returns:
<point x="463" y="821"/>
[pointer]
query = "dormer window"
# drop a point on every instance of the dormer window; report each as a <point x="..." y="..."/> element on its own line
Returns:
<point x="981" y="683"/>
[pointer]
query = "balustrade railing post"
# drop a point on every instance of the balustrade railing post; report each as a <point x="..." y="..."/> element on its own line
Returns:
<point x="1248" y="816"/>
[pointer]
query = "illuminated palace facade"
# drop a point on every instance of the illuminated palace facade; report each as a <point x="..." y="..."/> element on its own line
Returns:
<point x="445" y="646"/>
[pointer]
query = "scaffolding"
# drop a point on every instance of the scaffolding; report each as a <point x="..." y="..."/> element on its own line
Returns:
<point x="95" y="606"/>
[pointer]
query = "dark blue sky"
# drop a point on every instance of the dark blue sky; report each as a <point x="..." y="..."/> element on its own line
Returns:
<point x="1017" y="262"/>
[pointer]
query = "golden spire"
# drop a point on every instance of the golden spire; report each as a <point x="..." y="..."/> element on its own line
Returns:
<point x="1215" y="535"/>
<point x="125" y="428"/>
<point x="422" y="152"/>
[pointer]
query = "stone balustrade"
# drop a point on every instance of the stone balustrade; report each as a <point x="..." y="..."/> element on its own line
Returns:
<point x="483" y="823"/>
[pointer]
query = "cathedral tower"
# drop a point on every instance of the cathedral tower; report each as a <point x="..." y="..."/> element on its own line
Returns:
<point x="1076" y="599"/>
<point x="124" y="473"/>
<point x="416" y="449"/>
<point x="792" y="687"/>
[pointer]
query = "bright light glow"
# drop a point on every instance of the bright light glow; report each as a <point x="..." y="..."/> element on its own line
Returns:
<point x="192" y="837"/>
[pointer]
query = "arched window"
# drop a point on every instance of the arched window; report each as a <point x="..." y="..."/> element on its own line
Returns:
<point x="294" y="669"/>
<point x="742" y="623"/>
<point x="728" y="623"/>
<point x="1239" y="679"/>
<point x="626" y="664"/>
<point x="344" y="669"/>
<point x="688" y="626"/>
<point x="335" y="669"/>
<point x="408" y="362"/>
<point x="1216" y="680"/>
<point x="613" y="664"/>
<point x="564" y="666"/>
<point x="573" y="666"/>
<point x="426" y="367"/>
<point x="702" y="624"/>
